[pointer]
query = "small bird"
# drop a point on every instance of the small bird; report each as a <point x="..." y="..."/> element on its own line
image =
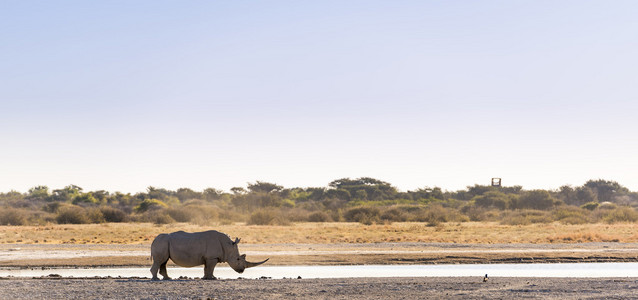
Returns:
<point x="485" y="278"/>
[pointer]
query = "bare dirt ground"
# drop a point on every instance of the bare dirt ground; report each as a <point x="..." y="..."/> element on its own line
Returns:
<point x="351" y="288"/>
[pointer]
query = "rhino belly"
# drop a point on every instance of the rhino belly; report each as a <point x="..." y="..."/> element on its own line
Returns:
<point x="186" y="257"/>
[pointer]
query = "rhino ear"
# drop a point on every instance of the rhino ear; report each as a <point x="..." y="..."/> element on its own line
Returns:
<point x="236" y="241"/>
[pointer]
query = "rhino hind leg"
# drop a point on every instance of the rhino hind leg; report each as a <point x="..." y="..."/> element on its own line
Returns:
<point x="161" y="267"/>
<point x="154" y="272"/>
<point x="162" y="270"/>
<point x="160" y="255"/>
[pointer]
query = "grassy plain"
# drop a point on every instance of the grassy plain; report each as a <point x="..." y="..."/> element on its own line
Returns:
<point x="329" y="233"/>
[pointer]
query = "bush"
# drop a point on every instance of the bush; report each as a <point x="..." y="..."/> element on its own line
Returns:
<point x="72" y="215"/>
<point x="112" y="214"/>
<point x="288" y="203"/>
<point x="52" y="207"/>
<point x="590" y="205"/>
<point x="536" y="199"/>
<point x="480" y="214"/>
<point x="12" y="216"/>
<point x="181" y="214"/>
<point x="149" y="204"/>
<point x="526" y="217"/>
<point x="621" y="214"/>
<point x="267" y="217"/>
<point x="364" y="215"/>
<point x="493" y="199"/>
<point x="436" y="213"/>
<point x="194" y="213"/>
<point x="295" y="215"/>
<point x="227" y="216"/>
<point x="156" y="216"/>
<point x="319" y="216"/>
<point x="40" y="218"/>
<point x="571" y="215"/>
<point x="394" y="214"/>
<point x="95" y="215"/>
<point x="84" y="198"/>
<point x="574" y="220"/>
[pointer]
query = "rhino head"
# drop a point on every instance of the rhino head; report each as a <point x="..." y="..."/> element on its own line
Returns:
<point x="239" y="262"/>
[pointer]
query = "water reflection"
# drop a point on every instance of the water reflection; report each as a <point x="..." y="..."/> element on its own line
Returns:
<point x="278" y="272"/>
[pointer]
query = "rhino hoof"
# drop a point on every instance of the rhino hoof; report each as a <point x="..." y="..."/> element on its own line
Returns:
<point x="166" y="278"/>
<point x="209" y="278"/>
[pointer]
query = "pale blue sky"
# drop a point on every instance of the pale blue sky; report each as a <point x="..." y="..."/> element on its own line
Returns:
<point x="122" y="95"/>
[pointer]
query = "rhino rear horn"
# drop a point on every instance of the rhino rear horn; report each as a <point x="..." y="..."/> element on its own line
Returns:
<point x="252" y="264"/>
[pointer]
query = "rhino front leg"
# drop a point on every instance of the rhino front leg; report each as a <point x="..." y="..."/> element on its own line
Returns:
<point x="209" y="267"/>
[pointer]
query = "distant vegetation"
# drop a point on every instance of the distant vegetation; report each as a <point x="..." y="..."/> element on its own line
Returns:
<point x="364" y="200"/>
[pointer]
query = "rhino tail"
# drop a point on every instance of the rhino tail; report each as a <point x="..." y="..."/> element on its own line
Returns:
<point x="168" y="250"/>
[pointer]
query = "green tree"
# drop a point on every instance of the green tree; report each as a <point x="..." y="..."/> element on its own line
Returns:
<point x="211" y="194"/>
<point x="536" y="199"/>
<point x="67" y="194"/>
<point x="316" y="194"/>
<point x="158" y="193"/>
<point x="84" y="198"/>
<point x="150" y="204"/>
<point x="606" y="190"/>
<point x="493" y="199"/>
<point x="360" y="195"/>
<point x="568" y="195"/>
<point x="427" y="193"/>
<point x="238" y="190"/>
<point x="184" y="194"/>
<point x="101" y="196"/>
<point x="40" y="192"/>
<point x="584" y="195"/>
<point x="264" y="187"/>
<point x="297" y="194"/>
<point x="478" y="190"/>
<point x="375" y="189"/>
<point x="338" y="194"/>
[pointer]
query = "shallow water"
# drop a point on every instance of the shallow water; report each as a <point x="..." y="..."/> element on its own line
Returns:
<point x="278" y="272"/>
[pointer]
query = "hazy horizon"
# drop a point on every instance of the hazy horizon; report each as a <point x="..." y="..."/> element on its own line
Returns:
<point x="119" y="95"/>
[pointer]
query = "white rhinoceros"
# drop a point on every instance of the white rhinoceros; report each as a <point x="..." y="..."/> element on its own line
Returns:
<point x="194" y="249"/>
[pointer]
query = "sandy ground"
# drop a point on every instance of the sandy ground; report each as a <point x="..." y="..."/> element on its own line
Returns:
<point x="352" y="288"/>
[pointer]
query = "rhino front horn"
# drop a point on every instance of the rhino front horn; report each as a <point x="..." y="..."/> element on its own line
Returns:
<point x="252" y="264"/>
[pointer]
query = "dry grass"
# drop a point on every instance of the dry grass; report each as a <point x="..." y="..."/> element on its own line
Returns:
<point x="328" y="233"/>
